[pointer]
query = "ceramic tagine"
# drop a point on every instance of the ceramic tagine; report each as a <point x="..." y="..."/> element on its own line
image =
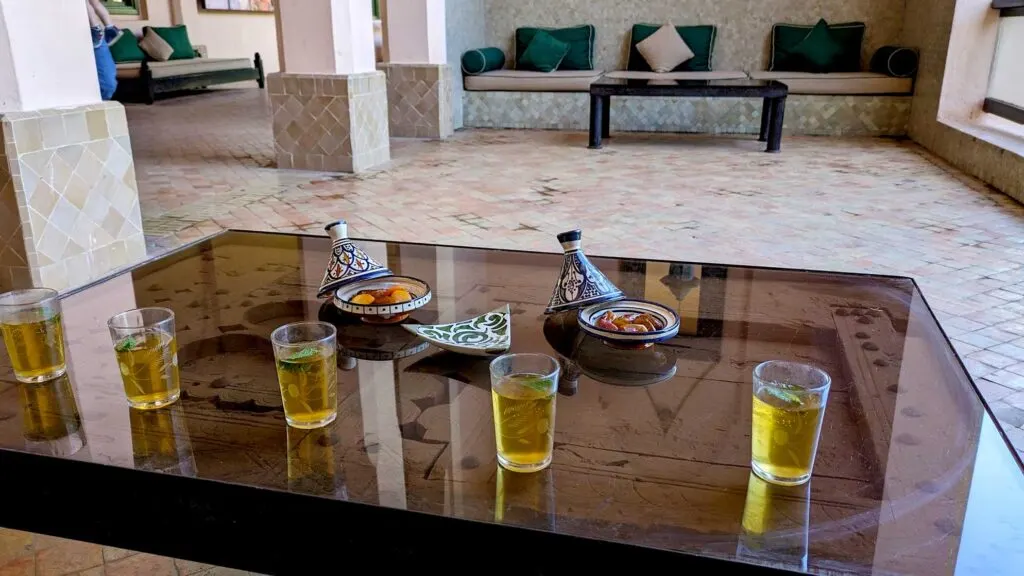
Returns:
<point x="580" y="282"/>
<point x="348" y="262"/>
<point x="363" y="287"/>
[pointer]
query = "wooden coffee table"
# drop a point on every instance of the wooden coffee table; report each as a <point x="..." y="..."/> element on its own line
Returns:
<point x="652" y="447"/>
<point x="774" y="95"/>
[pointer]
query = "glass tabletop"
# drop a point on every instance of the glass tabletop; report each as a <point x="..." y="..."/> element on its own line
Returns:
<point x="652" y="447"/>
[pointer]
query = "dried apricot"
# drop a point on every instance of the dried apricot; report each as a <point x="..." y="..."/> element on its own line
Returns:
<point x="363" y="299"/>
<point x="401" y="295"/>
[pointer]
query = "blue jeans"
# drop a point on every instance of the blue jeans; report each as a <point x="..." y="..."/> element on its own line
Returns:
<point x="106" y="70"/>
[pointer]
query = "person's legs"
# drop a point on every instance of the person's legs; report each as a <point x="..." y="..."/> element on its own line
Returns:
<point x="101" y="13"/>
<point x="106" y="69"/>
<point x="94" y="18"/>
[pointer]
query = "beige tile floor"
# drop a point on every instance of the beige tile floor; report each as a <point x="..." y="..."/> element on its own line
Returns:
<point x="205" y="163"/>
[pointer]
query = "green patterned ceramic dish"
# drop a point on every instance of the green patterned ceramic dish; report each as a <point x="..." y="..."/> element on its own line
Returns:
<point x="484" y="335"/>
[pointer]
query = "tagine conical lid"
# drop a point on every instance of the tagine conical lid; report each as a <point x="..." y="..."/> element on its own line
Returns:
<point x="580" y="283"/>
<point x="348" y="262"/>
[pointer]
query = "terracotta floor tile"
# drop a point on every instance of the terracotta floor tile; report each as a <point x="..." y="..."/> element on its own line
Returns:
<point x="67" y="557"/>
<point x="24" y="566"/>
<point x="188" y="568"/>
<point x="141" y="565"/>
<point x="14" y="544"/>
<point x="111" y="554"/>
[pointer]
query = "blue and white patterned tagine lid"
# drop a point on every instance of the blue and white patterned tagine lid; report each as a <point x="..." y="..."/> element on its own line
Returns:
<point x="580" y="282"/>
<point x="348" y="262"/>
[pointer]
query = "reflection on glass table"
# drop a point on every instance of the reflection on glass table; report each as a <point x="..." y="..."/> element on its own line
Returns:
<point x="650" y="455"/>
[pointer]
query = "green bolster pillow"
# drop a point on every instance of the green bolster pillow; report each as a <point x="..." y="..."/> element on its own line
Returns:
<point x="895" y="61"/>
<point x="482" y="60"/>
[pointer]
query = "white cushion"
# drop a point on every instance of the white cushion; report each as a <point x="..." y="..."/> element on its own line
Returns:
<point x="156" y="47"/>
<point x="665" y="49"/>
<point x="838" y="83"/>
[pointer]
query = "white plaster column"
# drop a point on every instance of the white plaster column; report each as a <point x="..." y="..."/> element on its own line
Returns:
<point x="329" y="101"/>
<point x="415" y="60"/>
<point x="69" y="203"/>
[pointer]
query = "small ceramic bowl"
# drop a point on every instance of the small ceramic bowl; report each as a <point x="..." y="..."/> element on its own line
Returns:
<point x="383" y="313"/>
<point x="588" y="322"/>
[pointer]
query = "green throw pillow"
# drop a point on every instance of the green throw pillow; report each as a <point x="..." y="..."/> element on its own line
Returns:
<point x="785" y="37"/>
<point x="700" y="39"/>
<point x="544" y="53"/>
<point x="126" y="48"/>
<point x="177" y="37"/>
<point x="482" y="60"/>
<point x="579" y="38"/>
<point x="818" y="49"/>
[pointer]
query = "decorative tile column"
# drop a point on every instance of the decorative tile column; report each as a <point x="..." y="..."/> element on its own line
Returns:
<point x="330" y="103"/>
<point x="69" y="204"/>
<point x="419" y="100"/>
<point x="337" y="123"/>
<point x="419" y="78"/>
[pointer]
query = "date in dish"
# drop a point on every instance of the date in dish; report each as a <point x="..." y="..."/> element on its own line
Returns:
<point x="629" y="322"/>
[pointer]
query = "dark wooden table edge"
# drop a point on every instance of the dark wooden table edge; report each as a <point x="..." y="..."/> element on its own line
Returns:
<point x="280" y="532"/>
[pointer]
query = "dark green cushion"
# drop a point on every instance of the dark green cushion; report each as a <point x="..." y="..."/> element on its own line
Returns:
<point x="818" y="50"/>
<point x="700" y="39"/>
<point x="579" y="38"/>
<point x="895" y="61"/>
<point x="177" y="37"/>
<point x="126" y="48"/>
<point x="544" y="54"/>
<point x="482" y="60"/>
<point x="785" y="37"/>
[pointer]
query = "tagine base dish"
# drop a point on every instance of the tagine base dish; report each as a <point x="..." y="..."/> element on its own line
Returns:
<point x="390" y="313"/>
<point x="668" y="319"/>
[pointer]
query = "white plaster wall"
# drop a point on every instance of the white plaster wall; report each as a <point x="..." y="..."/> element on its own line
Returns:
<point x="10" y="98"/>
<point x="228" y="35"/>
<point x="416" y="32"/>
<point x="46" y="55"/>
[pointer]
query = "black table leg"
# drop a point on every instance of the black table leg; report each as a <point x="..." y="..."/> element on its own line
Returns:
<point x="775" y="129"/>
<point x="606" y="111"/>
<point x="596" y="116"/>
<point x="766" y="116"/>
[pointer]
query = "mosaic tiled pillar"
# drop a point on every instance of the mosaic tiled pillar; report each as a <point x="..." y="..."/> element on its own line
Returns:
<point x="419" y="100"/>
<point x="69" y="203"/>
<point x="336" y="123"/>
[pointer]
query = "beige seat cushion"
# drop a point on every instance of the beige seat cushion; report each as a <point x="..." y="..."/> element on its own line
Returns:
<point x="839" y="82"/>
<point x="530" y="81"/>
<point x="712" y="75"/>
<point x="129" y="69"/>
<point x="197" y="65"/>
<point x="182" y="67"/>
<point x="665" y="49"/>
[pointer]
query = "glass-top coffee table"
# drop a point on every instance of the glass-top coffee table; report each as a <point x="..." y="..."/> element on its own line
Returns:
<point x="652" y="447"/>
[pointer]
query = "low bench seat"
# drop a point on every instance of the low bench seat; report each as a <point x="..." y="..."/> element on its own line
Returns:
<point x="529" y="81"/>
<point x="839" y="83"/>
